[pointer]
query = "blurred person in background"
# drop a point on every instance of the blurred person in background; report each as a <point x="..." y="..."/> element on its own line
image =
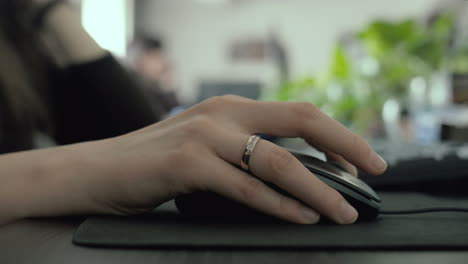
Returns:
<point x="147" y="57"/>
<point x="59" y="87"/>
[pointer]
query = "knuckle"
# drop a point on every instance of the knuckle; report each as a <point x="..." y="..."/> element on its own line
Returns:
<point x="359" y="147"/>
<point x="250" y="188"/>
<point x="305" y="111"/>
<point x="199" y="126"/>
<point x="335" y="205"/>
<point x="280" y="161"/>
<point x="231" y="98"/>
<point x="218" y="101"/>
<point x="336" y="200"/>
<point x="285" y="204"/>
<point x="332" y="202"/>
<point x="215" y="100"/>
<point x="209" y="105"/>
<point x="189" y="147"/>
<point x="290" y="209"/>
<point x="213" y="104"/>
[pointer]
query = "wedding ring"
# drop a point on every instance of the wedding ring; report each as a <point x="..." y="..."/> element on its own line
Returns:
<point x="248" y="151"/>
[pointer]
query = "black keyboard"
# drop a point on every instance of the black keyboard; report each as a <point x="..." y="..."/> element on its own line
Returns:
<point x="433" y="168"/>
<point x="439" y="167"/>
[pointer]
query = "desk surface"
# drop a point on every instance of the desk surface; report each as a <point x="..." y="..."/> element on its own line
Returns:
<point x="49" y="241"/>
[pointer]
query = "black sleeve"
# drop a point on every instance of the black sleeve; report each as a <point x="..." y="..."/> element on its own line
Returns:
<point x="98" y="99"/>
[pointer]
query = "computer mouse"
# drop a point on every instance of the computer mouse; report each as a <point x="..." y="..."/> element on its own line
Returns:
<point x="212" y="207"/>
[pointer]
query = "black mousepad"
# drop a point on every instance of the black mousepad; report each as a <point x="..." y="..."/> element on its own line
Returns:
<point x="166" y="228"/>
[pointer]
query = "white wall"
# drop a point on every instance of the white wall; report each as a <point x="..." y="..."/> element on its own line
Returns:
<point x="197" y="33"/>
<point x="109" y="22"/>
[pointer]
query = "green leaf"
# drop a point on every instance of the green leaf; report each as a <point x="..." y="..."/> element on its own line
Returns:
<point x="340" y="68"/>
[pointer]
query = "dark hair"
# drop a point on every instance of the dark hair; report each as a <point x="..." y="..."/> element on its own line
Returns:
<point x="149" y="43"/>
<point x="142" y="43"/>
<point x="22" y="69"/>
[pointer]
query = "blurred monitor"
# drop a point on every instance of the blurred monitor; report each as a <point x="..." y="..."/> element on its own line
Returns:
<point x="249" y="89"/>
<point x="460" y="88"/>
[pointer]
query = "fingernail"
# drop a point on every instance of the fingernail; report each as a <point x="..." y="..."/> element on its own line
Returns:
<point x="378" y="162"/>
<point x="311" y="217"/>
<point x="348" y="213"/>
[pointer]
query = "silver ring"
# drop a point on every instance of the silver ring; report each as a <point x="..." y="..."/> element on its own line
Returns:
<point x="248" y="151"/>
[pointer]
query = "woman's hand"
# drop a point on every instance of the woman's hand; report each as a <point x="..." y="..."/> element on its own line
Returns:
<point x="201" y="149"/>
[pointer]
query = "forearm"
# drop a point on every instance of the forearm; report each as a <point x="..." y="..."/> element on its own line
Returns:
<point x="49" y="182"/>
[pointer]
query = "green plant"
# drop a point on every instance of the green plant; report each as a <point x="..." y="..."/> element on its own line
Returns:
<point x="406" y="49"/>
<point x="398" y="52"/>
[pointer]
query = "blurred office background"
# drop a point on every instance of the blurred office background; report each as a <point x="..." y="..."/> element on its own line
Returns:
<point x="395" y="69"/>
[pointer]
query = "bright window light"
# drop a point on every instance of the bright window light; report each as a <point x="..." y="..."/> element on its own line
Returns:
<point x="105" y="20"/>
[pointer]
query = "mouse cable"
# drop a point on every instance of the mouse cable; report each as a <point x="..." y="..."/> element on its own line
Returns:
<point x="425" y="210"/>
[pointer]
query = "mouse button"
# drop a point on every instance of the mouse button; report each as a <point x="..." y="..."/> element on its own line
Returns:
<point x="349" y="193"/>
<point x="350" y="181"/>
<point x="320" y="167"/>
<point x="367" y="208"/>
<point x="361" y="184"/>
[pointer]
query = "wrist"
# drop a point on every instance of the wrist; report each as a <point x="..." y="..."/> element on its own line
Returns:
<point x="62" y="183"/>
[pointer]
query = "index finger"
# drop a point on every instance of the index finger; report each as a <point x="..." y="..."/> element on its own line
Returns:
<point x="288" y="119"/>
